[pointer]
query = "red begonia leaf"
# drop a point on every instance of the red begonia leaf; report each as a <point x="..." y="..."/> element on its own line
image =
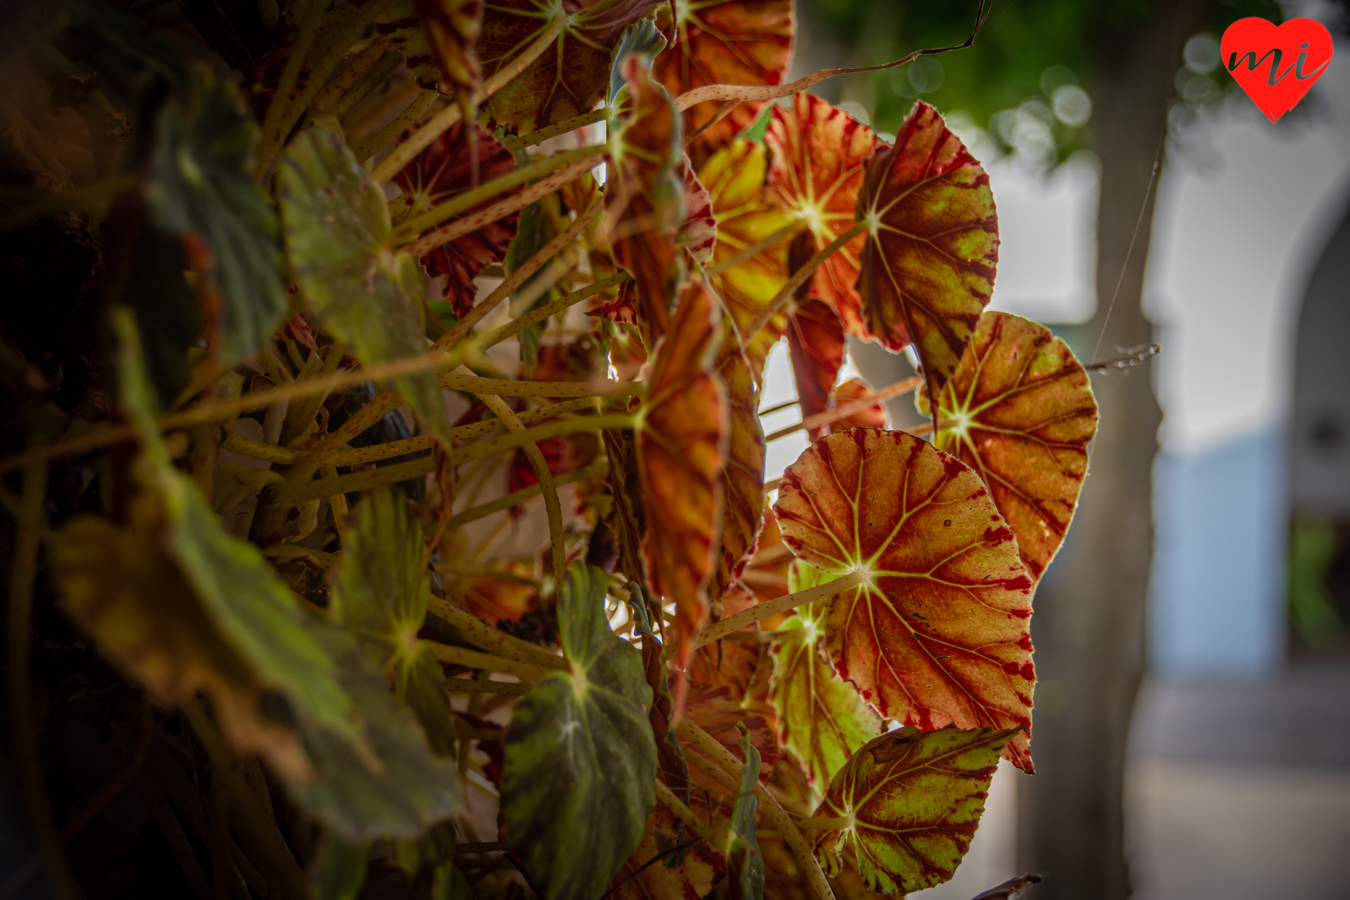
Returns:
<point x="735" y="178"/>
<point x="681" y="454"/>
<point x="451" y="27"/>
<point x="694" y="878"/>
<point x="569" y="77"/>
<point x="698" y="234"/>
<point x="743" y="667"/>
<point x="717" y="710"/>
<point x="822" y="718"/>
<point x="932" y="244"/>
<point x="819" y="154"/>
<point x="816" y="342"/>
<point x="440" y="172"/>
<point x="644" y="197"/>
<point x="504" y="592"/>
<point x="939" y="634"/>
<point x="724" y="42"/>
<point x="743" y="477"/>
<point x="1019" y="410"/>
<point x="559" y="455"/>
<point x="873" y="416"/>
<point x="913" y="801"/>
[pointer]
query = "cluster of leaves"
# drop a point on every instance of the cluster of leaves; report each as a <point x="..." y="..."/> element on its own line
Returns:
<point x="428" y="466"/>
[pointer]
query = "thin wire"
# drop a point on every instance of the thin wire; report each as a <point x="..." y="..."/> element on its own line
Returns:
<point x="1152" y="177"/>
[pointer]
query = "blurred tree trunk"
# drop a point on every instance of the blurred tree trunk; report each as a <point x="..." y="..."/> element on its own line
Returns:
<point x="1089" y="624"/>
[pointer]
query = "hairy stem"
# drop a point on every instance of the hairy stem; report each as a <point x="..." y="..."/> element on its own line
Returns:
<point x="366" y="63"/>
<point x="499" y="643"/>
<point x="721" y="629"/>
<point x="768" y="805"/>
<point x="511" y="329"/>
<point x="756" y="248"/>
<point x="667" y="798"/>
<point x="410" y="115"/>
<point x="853" y="407"/>
<point x="522" y="495"/>
<point x="518" y="201"/>
<point x="795" y="280"/>
<point x="474" y="659"/>
<point x="502" y="387"/>
<point x="466" y="201"/>
<point x="421" y="139"/>
<point x="538" y="137"/>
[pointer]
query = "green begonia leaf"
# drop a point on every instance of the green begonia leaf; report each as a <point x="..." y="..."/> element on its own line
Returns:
<point x="380" y="593"/>
<point x="336" y="222"/>
<point x="340" y="870"/>
<point x="397" y="788"/>
<point x="912" y="801"/>
<point x="822" y="718"/>
<point x="198" y="186"/>
<point x="369" y="772"/>
<point x="743" y="856"/>
<point x="579" y="778"/>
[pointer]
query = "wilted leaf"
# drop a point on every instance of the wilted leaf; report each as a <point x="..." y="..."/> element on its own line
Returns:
<point x="718" y="711"/>
<point x="843" y="394"/>
<point x="198" y="188"/>
<point x="452" y="27"/>
<point x="645" y="197"/>
<point x="912" y="801"/>
<point x="698" y="233"/>
<point x="440" y="172"/>
<point x="735" y="178"/>
<point x="692" y="879"/>
<point x="380" y="593"/>
<point x="681" y="456"/>
<point x="932" y="244"/>
<point x="577" y="786"/>
<point x="569" y="77"/>
<point x="724" y="42"/>
<point x="743" y="477"/>
<point x="504" y="591"/>
<point x="819" y="153"/>
<point x="337" y="236"/>
<point x="822" y="718"/>
<point x="940" y="633"/>
<point x="1019" y="411"/>
<point x="816" y="342"/>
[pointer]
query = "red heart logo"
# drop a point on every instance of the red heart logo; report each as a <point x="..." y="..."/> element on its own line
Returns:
<point x="1276" y="66"/>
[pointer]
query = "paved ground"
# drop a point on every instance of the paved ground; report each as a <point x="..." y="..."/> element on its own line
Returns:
<point x="1237" y="791"/>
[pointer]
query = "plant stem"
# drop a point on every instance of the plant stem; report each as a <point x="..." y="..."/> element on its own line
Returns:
<point x="502" y="387"/>
<point x="519" y="276"/>
<point x="756" y="248"/>
<point x="258" y="450"/>
<point x="795" y="280"/>
<point x="405" y="152"/>
<point x="499" y="643"/>
<point x="174" y="836"/>
<point x="473" y="659"/>
<point x="504" y="688"/>
<point x="538" y="137"/>
<point x="853" y="407"/>
<point x="461" y="203"/>
<point x="114" y="786"/>
<point x="511" y="329"/>
<point x="668" y="798"/>
<point x="409" y="116"/>
<point x="768" y="805"/>
<point x="721" y="629"/>
<point x="23" y="724"/>
<point x="522" y="495"/>
<point x="518" y="201"/>
<point x="553" y="508"/>
<point x="825" y="823"/>
<point x="362" y="64"/>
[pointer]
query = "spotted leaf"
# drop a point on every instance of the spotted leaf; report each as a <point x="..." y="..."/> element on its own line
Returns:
<point x="570" y="76"/>
<point x="912" y="801"/>
<point x="1019" y="410"/>
<point x="724" y="42"/>
<point x="440" y="172"/>
<point x="819" y="154"/>
<point x="938" y="633"/>
<point x="932" y="244"/>
<point x="823" y="719"/>
<point x="682" y="450"/>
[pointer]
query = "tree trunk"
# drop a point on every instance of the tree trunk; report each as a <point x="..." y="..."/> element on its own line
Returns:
<point x="1089" y="622"/>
